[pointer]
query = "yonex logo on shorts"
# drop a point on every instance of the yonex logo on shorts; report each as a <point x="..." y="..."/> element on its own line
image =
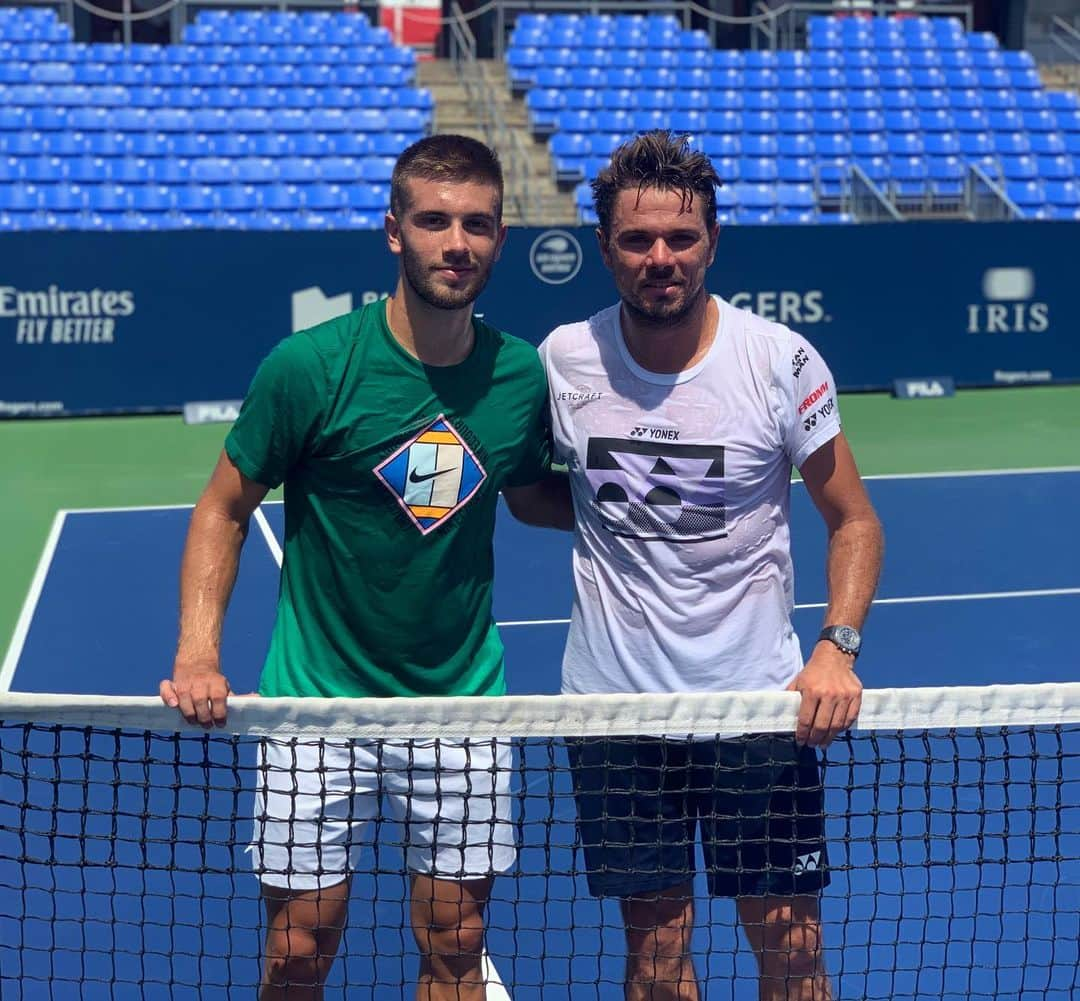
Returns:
<point x="807" y="863"/>
<point x="433" y="475"/>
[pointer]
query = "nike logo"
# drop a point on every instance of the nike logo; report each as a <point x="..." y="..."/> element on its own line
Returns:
<point x="414" y="478"/>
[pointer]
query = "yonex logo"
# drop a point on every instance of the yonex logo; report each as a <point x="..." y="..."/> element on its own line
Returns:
<point x="810" y="862"/>
<point x="656" y="434"/>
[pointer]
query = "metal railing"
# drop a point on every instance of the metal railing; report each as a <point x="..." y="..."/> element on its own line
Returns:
<point x="867" y="202"/>
<point x="1066" y="37"/>
<point x="772" y="27"/>
<point x="786" y="24"/>
<point x="484" y="106"/>
<point x="985" y="200"/>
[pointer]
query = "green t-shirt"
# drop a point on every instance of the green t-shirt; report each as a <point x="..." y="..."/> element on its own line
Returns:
<point x="392" y="471"/>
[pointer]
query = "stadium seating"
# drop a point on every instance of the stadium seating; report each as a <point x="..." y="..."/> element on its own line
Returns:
<point x="259" y="119"/>
<point x="914" y="102"/>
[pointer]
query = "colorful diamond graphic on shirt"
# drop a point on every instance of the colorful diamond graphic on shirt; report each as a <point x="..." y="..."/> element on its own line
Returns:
<point x="433" y="475"/>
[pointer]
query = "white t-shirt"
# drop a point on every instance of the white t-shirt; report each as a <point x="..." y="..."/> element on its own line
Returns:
<point x="682" y="566"/>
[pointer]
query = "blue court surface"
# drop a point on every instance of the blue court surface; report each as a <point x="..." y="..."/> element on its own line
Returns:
<point x="981" y="586"/>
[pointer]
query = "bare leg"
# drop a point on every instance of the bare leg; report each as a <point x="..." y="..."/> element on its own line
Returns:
<point x="302" y="937"/>
<point x="785" y="934"/>
<point x="659" y="966"/>
<point x="448" y="922"/>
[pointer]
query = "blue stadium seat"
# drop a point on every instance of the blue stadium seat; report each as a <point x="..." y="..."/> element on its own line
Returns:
<point x="761" y="100"/>
<point x="760" y="59"/>
<point x="724" y="121"/>
<point x="910" y="177"/>
<point x="927" y="58"/>
<point x="893" y="100"/>
<point x="794" y="121"/>
<point x="976" y="143"/>
<point x="1056" y="168"/>
<point x="1047" y="143"/>
<point x="867" y="120"/>
<point x="1011" y="143"/>
<point x="796" y="196"/>
<point x="794" y="78"/>
<point x="152" y="198"/>
<point x="832" y="144"/>
<point x="831" y="121"/>
<point x="971" y="120"/>
<point x="936" y="120"/>
<point x="1068" y="119"/>
<point x="1032" y="100"/>
<point x="830" y="100"/>
<point x="715" y="145"/>
<point x="1029" y="196"/>
<point x="759" y="121"/>
<point x="929" y="78"/>
<point x="795" y="100"/>
<point x="724" y="58"/>
<point x="758" y="169"/>
<point x="1006" y="120"/>
<point x="1064" y="193"/>
<point x="688" y="120"/>
<point x="874" y="167"/>
<point x="869" y="144"/>
<point x="891" y="59"/>
<point x="726" y="100"/>
<point x="1019" y="168"/>
<point x="947" y="175"/>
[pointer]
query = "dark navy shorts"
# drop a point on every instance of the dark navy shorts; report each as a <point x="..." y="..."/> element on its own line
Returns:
<point x="759" y="802"/>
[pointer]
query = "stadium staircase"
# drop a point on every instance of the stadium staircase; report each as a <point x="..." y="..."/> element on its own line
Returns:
<point x="485" y="110"/>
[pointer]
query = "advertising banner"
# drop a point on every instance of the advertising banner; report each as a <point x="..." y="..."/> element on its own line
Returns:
<point x="142" y="322"/>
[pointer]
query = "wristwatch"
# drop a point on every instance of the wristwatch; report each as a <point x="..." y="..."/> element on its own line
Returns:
<point x="847" y="638"/>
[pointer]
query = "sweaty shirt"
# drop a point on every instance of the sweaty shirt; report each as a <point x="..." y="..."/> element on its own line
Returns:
<point x="683" y="579"/>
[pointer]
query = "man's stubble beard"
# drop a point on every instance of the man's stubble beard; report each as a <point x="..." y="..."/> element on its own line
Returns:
<point x="423" y="283"/>
<point x="662" y="314"/>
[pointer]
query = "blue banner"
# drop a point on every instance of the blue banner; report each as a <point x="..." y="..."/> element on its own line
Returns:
<point x="129" y="322"/>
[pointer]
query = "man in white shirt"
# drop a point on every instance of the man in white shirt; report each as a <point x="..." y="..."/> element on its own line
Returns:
<point x="680" y="418"/>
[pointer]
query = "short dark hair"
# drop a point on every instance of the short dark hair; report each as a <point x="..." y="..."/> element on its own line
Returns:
<point x="657" y="159"/>
<point x="445" y="157"/>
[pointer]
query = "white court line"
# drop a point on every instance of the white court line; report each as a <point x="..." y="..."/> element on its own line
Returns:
<point x="26" y="616"/>
<point x="268" y="534"/>
<point x="918" y="599"/>
<point x="959" y="473"/>
<point x="965" y="473"/>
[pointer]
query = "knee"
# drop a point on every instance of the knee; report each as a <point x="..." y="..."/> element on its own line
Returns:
<point x="292" y="958"/>
<point x="450" y="940"/>
<point x="793" y="952"/>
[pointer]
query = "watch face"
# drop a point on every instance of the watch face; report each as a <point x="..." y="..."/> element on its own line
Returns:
<point x="848" y="637"/>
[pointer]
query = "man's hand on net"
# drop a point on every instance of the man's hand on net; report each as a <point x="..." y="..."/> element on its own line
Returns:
<point x="831" y="696"/>
<point x="199" y="691"/>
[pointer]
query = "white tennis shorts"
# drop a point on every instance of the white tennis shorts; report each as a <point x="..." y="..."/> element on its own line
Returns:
<point x="315" y="798"/>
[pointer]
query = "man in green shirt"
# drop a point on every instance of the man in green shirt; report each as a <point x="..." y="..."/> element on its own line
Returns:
<point x="393" y="429"/>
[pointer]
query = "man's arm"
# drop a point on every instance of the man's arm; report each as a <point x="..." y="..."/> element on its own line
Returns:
<point x="546" y="503"/>
<point x="831" y="691"/>
<point x="215" y="536"/>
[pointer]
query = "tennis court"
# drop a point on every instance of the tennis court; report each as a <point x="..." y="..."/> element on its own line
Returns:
<point x="981" y="586"/>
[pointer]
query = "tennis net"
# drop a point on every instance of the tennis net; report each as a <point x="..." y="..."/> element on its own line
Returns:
<point x="951" y="817"/>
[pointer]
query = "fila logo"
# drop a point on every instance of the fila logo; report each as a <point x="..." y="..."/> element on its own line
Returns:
<point x="807" y="863"/>
<point x="655" y="434"/>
